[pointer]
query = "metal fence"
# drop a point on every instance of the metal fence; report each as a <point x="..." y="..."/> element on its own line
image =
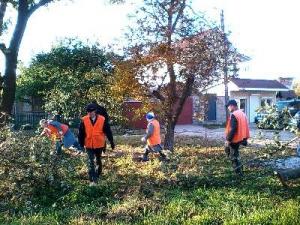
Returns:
<point x="30" y="118"/>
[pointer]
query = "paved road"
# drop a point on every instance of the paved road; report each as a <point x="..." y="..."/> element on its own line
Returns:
<point x="258" y="139"/>
<point x="258" y="136"/>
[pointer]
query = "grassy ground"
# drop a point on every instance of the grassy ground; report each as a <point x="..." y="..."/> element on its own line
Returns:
<point x="196" y="186"/>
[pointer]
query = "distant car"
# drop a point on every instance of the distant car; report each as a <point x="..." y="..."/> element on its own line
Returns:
<point x="292" y="105"/>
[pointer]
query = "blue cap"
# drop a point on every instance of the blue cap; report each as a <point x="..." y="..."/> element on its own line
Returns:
<point x="231" y="102"/>
<point x="149" y="115"/>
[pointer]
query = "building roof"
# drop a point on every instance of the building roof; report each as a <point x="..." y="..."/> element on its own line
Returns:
<point x="253" y="84"/>
<point x="287" y="94"/>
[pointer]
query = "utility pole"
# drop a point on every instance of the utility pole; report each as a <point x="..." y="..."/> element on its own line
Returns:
<point x="225" y="68"/>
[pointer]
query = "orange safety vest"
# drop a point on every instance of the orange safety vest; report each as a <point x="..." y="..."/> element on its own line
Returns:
<point x="52" y="132"/>
<point x="242" y="127"/>
<point x="155" y="137"/>
<point x="94" y="135"/>
<point x="64" y="128"/>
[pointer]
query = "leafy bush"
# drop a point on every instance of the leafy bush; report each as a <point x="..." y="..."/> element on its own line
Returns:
<point x="195" y="187"/>
<point x="273" y="118"/>
<point x="30" y="175"/>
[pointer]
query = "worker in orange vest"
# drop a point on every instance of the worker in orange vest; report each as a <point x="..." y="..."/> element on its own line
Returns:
<point x="237" y="133"/>
<point x="60" y="134"/>
<point x="52" y="133"/>
<point x="152" y="137"/>
<point x="92" y="132"/>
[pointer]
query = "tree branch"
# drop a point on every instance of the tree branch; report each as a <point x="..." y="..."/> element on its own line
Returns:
<point x="163" y="7"/>
<point x="3" y="5"/>
<point x="179" y="14"/>
<point x="187" y="91"/>
<point x="3" y="48"/>
<point x="23" y="5"/>
<point x="159" y="96"/>
<point x="38" y="5"/>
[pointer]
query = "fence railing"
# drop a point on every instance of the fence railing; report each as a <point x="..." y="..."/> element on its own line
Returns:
<point x="31" y="118"/>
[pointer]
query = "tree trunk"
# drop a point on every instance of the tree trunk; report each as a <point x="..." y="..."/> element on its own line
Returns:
<point x="170" y="133"/>
<point x="288" y="174"/>
<point x="174" y="112"/>
<point x="9" y="83"/>
<point x="11" y="60"/>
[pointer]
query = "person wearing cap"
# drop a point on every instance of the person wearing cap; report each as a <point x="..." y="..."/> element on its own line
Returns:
<point x="92" y="131"/>
<point x="60" y="134"/>
<point x="152" y="137"/>
<point x="237" y="133"/>
<point x="101" y="110"/>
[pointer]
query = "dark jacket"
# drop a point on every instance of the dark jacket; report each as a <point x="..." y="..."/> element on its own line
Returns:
<point x="233" y="128"/>
<point x="102" y="111"/>
<point x="106" y="130"/>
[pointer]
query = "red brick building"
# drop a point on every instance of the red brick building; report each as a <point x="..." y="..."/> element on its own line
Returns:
<point x="186" y="116"/>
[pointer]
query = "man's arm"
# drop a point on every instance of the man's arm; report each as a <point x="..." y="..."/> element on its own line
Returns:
<point x="233" y="128"/>
<point x="102" y="111"/>
<point x="46" y="131"/>
<point x="108" y="133"/>
<point x="150" y="130"/>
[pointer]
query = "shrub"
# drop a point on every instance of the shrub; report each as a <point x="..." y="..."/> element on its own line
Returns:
<point x="274" y="119"/>
<point x="30" y="175"/>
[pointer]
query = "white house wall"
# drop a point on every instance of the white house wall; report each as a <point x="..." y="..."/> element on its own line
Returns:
<point x="219" y="90"/>
<point x="221" y="113"/>
<point x="237" y="95"/>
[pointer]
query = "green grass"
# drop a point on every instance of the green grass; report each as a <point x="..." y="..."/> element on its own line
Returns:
<point x="197" y="186"/>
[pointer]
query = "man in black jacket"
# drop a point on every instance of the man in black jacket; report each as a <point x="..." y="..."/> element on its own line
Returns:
<point x="86" y="129"/>
<point x="100" y="110"/>
<point x="237" y="132"/>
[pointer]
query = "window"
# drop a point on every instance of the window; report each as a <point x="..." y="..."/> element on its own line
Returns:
<point x="243" y="105"/>
<point x="266" y="102"/>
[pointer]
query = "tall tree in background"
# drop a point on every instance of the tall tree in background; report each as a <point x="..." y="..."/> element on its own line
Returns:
<point x="176" y="51"/>
<point x="24" y="8"/>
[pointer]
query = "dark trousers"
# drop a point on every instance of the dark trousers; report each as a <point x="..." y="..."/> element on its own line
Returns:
<point x="58" y="148"/>
<point x="155" y="148"/>
<point x="95" y="170"/>
<point x="233" y="154"/>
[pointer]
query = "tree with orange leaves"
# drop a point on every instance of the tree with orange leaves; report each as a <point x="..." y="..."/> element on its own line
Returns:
<point x="175" y="52"/>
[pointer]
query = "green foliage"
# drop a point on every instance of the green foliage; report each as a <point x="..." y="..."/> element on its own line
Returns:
<point x="296" y="88"/>
<point x="30" y="175"/>
<point x="197" y="186"/>
<point x="274" y="118"/>
<point x="68" y="77"/>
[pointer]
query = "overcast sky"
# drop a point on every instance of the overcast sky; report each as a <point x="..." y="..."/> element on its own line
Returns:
<point x="265" y="30"/>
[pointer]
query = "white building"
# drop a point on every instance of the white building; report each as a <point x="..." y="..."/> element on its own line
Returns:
<point x="250" y="95"/>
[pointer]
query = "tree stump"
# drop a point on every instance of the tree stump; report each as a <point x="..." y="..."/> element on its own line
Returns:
<point x="287" y="174"/>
